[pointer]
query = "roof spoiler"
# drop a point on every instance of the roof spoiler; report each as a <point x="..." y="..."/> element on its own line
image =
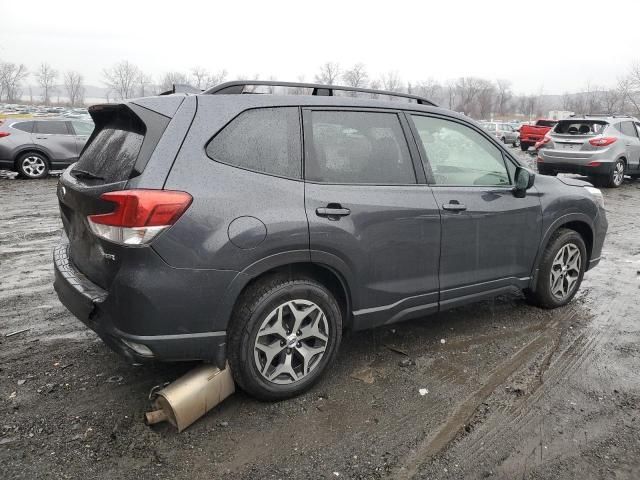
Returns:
<point x="182" y="88"/>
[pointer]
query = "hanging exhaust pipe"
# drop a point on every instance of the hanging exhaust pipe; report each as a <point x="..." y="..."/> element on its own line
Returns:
<point x="191" y="396"/>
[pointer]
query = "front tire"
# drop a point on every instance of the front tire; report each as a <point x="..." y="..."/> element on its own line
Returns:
<point x="561" y="270"/>
<point x="283" y="335"/>
<point x="32" y="165"/>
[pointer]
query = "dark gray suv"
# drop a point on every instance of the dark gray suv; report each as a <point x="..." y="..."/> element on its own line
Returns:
<point x="32" y="147"/>
<point x="254" y="229"/>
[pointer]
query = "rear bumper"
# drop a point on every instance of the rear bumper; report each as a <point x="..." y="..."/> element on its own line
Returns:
<point x="86" y="301"/>
<point x="603" y="168"/>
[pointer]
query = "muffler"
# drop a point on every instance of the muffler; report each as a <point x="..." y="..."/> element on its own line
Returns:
<point x="191" y="396"/>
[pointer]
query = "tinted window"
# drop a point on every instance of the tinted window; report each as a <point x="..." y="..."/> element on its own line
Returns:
<point x="24" y="126"/>
<point x="52" y="128"/>
<point x="627" y="129"/>
<point x="82" y="128"/>
<point x="112" y="153"/>
<point x="546" y="123"/>
<point x="265" y="140"/>
<point x="357" y="147"/>
<point x="585" y="127"/>
<point x="458" y="155"/>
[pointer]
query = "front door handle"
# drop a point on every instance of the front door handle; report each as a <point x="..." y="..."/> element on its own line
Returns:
<point x="333" y="211"/>
<point x="454" y="207"/>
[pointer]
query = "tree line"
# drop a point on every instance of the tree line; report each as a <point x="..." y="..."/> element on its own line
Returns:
<point x="474" y="96"/>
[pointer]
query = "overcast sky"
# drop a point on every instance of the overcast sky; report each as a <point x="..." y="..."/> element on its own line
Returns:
<point x="553" y="46"/>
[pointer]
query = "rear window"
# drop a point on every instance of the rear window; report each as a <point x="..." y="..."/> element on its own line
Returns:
<point x="113" y="150"/>
<point x="546" y="123"/>
<point x="51" y="128"/>
<point x="585" y="127"/>
<point x="264" y="140"/>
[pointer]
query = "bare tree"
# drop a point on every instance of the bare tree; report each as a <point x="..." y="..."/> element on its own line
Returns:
<point x="216" y="78"/>
<point x="144" y="84"/>
<point x="172" y="78"/>
<point x="73" y="84"/>
<point x="356" y="76"/>
<point x="503" y="95"/>
<point x="46" y="79"/>
<point x="200" y="76"/>
<point x="391" y="81"/>
<point x="121" y="79"/>
<point x="486" y="98"/>
<point x="467" y="90"/>
<point x="11" y="77"/>
<point x="328" y="74"/>
<point x="430" y="89"/>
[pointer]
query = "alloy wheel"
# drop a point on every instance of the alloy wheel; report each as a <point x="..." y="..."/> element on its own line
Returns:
<point x="33" y="166"/>
<point x="618" y="173"/>
<point x="291" y="342"/>
<point x="565" y="271"/>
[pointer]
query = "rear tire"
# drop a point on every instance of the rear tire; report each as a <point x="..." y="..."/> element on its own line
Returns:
<point x="547" y="171"/>
<point x="524" y="146"/>
<point x="32" y="165"/>
<point x="561" y="270"/>
<point x="283" y="335"/>
<point x="616" y="176"/>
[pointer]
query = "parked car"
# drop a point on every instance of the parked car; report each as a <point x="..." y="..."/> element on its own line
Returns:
<point x="209" y="227"/>
<point x="530" y="134"/>
<point x="606" y="148"/>
<point x="32" y="147"/>
<point x="503" y="132"/>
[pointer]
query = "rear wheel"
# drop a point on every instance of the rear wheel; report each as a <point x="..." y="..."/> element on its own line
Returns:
<point x="32" y="165"/>
<point x="283" y="335"/>
<point x="547" y="171"/>
<point x="524" y="146"/>
<point x="561" y="270"/>
<point x="516" y="142"/>
<point x="616" y="177"/>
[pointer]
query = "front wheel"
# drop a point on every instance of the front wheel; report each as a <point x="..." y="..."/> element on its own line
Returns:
<point x="561" y="270"/>
<point x="32" y="165"/>
<point x="283" y="335"/>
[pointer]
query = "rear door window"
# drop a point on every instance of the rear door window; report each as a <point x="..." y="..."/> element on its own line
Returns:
<point x="264" y="140"/>
<point x="628" y="129"/>
<point x="51" y="128"/>
<point x="347" y="147"/>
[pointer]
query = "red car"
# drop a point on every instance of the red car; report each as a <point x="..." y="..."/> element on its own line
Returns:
<point x="531" y="134"/>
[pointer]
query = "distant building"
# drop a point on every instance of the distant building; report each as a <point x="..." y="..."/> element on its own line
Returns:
<point x="559" y="114"/>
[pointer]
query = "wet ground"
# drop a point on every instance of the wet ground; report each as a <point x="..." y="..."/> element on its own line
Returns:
<point x="512" y="391"/>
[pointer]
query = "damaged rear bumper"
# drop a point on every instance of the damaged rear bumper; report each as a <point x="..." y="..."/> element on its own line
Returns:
<point x="86" y="301"/>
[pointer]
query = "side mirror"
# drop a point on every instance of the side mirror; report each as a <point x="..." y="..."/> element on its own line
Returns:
<point x="524" y="180"/>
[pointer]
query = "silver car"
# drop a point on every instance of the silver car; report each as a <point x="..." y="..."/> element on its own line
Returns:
<point x="605" y="148"/>
<point x="503" y="131"/>
<point x="32" y="147"/>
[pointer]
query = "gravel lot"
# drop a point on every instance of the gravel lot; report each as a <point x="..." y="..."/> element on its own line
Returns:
<point x="513" y="391"/>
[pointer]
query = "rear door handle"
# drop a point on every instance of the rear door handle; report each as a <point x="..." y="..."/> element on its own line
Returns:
<point x="333" y="210"/>
<point x="41" y="138"/>
<point x="455" y="207"/>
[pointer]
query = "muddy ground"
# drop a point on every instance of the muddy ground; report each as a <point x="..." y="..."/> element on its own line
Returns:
<point x="513" y="391"/>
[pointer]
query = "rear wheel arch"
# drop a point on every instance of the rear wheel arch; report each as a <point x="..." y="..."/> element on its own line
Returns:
<point x="323" y="274"/>
<point x="19" y="154"/>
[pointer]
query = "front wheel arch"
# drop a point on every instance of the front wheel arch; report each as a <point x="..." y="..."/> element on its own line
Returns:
<point x="21" y="153"/>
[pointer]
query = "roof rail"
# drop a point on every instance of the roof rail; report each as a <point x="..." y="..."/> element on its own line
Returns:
<point x="612" y="115"/>
<point x="238" y="87"/>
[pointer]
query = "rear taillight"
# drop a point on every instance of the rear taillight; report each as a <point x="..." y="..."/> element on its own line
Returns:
<point x="602" y="141"/>
<point x="4" y="134"/>
<point x="542" y="142"/>
<point x="139" y="215"/>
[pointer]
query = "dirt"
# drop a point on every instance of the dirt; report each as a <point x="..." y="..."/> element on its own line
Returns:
<point x="512" y="392"/>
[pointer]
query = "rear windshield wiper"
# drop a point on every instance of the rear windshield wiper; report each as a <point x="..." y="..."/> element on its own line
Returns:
<point x="84" y="174"/>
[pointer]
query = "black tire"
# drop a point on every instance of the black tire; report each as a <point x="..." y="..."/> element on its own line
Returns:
<point x="524" y="146"/>
<point x="543" y="296"/>
<point x="32" y="165"/>
<point x="547" y="171"/>
<point x="516" y="143"/>
<point x="616" y="176"/>
<point x="254" y="307"/>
